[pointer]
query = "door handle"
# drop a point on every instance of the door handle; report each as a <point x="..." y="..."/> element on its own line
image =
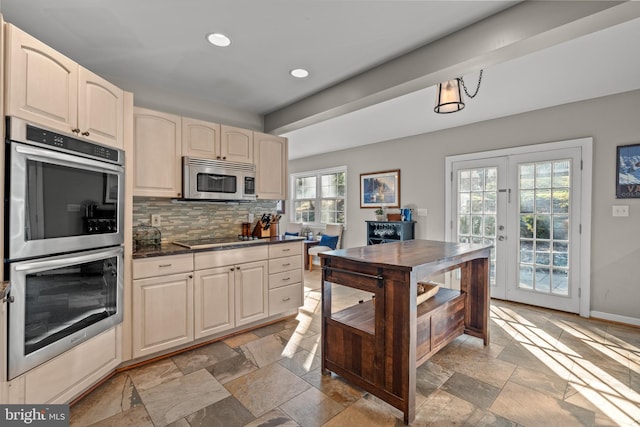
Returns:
<point x="501" y="238"/>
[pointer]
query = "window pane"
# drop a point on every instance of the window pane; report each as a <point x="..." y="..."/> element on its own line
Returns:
<point x="304" y="211"/>
<point x="332" y="185"/>
<point x="526" y="176"/>
<point x="306" y="187"/>
<point x="543" y="175"/>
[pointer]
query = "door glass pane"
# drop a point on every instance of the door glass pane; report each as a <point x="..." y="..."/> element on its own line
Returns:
<point x="544" y="226"/>
<point x="478" y="195"/>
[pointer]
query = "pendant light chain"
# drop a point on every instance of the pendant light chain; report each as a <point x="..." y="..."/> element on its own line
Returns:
<point x="465" y="86"/>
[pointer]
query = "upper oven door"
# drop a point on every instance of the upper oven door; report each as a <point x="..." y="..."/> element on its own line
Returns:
<point x="61" y="203"/>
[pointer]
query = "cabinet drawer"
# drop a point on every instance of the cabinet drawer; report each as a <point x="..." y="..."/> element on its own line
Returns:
<point x="278" y="250"/>
<point x="222" y="257"/>
<point x="285" y="298"/>
<point x="162" y="266"/>
<point x="278" y="265"/>
<point x="285" y="278"/>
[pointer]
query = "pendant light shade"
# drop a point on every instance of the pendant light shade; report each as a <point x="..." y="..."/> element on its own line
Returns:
<point x="449" y="97"/>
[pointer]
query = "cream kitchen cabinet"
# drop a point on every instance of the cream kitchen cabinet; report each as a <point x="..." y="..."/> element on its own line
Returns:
<point x="214" y="298"/>
<point x="157" y="154"/>
<point x="236" y="277"/>
<point x="236" y="144"/>
<point x="47" y="88"/>
<point x="271" y="158"/>
<point x="285" y="277"/>
<point x="162" y="303"/>
<point x="218" y="142"/>
<point x="200" y="139"/>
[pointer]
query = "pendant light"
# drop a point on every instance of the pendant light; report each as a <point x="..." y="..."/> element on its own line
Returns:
<point x="449" y="97"/>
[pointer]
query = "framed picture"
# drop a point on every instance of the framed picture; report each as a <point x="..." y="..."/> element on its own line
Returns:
<point x="628" y="172"/>
<point x="111" y="188"/>
<point x="380" y="189"/>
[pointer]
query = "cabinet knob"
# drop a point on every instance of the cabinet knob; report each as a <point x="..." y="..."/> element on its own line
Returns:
<point x="85" y="133"/>
<point x="218" y="157"/>
<point x="231" y="269"/>
<point x="190" y="276"/>
<point x="224" y="158"/>
<point x="76" y="130"/>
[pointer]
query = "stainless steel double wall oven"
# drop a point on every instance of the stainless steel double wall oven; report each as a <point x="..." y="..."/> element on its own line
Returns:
<point x="63" y="241"/>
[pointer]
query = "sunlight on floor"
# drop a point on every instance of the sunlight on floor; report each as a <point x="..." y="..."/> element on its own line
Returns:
<point x="610" y="395"/>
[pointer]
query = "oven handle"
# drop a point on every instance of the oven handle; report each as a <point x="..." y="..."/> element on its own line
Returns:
<point x="48" y="154"/>
<point x="68" y="260"/>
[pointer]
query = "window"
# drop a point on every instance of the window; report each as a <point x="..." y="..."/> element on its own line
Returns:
<point x="319" y="197"/>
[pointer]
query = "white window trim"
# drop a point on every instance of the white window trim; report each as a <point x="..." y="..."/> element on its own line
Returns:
<point x="318" y="172"/>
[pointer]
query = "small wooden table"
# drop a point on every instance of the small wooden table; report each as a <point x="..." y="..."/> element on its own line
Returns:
<point x="307" y="245"/>
<point x="379" y="343"/>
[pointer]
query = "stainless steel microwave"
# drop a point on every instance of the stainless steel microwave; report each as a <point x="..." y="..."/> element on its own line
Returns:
<point x="205" y="179"/>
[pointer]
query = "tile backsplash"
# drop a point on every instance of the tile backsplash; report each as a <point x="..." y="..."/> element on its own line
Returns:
<point x="192" y="220"/>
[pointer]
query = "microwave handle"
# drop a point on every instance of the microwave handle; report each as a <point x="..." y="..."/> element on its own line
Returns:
<point x="82" y="161"/>
<point x="64" y="260"/>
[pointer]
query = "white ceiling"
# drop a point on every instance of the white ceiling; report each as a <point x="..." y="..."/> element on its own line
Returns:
<point x="159" y="46"/>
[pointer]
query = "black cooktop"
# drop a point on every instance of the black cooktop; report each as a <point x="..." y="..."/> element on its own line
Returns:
<point x="213" y="242"/>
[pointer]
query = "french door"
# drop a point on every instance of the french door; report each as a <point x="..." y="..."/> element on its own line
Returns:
<point x="528" y="206"/>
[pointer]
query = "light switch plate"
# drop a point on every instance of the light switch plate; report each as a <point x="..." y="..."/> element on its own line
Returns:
<point x="155" y="220"/>
<point x="422" y="212"/>
<point x="620" y="210"/>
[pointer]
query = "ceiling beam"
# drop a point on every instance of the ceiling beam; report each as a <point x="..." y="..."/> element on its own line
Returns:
<point x="522" y="29"/>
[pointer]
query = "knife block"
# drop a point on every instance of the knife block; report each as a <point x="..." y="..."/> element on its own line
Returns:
<point x="259" y="231"/>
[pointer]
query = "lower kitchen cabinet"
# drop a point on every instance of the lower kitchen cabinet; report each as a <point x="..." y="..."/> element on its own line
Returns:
<point x="163" y="313"/>
<point x="230" y="296"/>
<point x="252" y="297"/>
<point x="162" y="303"/>
<point x="214" y="309"/>
<point x="285" y="277"/>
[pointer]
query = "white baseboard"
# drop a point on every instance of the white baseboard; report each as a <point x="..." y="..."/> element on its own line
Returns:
<point x="615" y="318"/>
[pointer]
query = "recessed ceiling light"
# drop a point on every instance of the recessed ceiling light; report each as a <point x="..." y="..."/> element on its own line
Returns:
<point x="218" y="39"/>
<point x="300" y="73"/>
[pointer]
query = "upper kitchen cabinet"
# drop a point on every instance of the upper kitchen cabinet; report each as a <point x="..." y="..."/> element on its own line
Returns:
<point x="200" y="139"/>
<point x="270" y="157"/>
<point x="157" y="154"/>
<point x="47" y="88"/>
<point x="236" y="144"/>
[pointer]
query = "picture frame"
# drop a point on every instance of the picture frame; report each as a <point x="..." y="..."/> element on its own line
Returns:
<point x="111" y="189"/>
<point x="380" y="189"/>
<point x="628" y="171"/>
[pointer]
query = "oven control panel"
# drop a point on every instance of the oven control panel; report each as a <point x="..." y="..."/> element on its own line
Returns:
<point x="43" y="136"/>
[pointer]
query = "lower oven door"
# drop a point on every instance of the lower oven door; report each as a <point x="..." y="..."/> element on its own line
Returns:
<point x="59" y="302"/>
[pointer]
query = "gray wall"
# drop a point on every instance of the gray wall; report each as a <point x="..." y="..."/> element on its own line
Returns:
<point x="611" y="121"/>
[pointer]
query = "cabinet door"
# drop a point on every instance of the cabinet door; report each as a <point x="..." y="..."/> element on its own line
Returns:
<point x="252" y="298"/>
<point x="200" y="139"/>
<point x="270" y="157"/>
<point x="214" y="301"/>
<point x="41" y="83"/>
<point x="100" y="109"/>
<point x="236" y="144"/>
<point x="157" y="148"/>
<point x="162" y="313"/>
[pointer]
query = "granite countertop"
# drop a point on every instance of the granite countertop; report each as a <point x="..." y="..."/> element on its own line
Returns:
<point x="173" y="249"/>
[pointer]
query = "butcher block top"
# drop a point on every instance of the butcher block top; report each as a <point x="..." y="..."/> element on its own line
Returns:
<point x="409" y="254"/>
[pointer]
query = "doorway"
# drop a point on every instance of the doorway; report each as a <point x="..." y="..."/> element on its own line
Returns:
<point x="532" y="204"/>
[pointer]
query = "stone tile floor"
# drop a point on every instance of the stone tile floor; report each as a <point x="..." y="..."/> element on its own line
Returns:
<point x="542" y="368"/>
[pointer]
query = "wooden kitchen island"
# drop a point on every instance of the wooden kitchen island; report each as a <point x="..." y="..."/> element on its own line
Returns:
<point x="378" y="343"/>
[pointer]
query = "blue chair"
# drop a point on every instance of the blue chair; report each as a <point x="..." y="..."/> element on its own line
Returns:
<point x="330" y="240"/>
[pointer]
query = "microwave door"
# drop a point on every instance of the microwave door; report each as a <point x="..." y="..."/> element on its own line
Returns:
<point x="60" y="203"/>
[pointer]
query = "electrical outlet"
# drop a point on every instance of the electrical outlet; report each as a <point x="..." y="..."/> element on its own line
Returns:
<point x="620" y="210"/>
<point x="155" y="220"/>
<point x="250" y="217"/>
